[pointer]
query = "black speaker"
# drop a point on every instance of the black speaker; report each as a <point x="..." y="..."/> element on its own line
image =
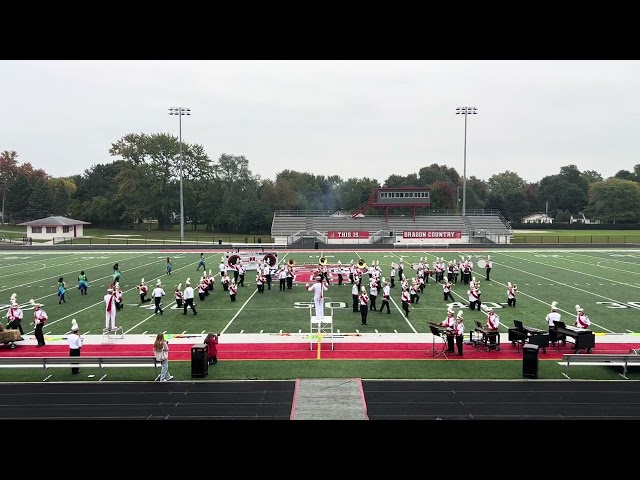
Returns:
<point x="530" y="361"/>
<point x="199" y="361"/>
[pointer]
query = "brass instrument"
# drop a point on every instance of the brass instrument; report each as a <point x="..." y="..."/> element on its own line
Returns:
<point x="323" y="261"/>
<point x="362" y="263"/>
<point x="291" y="262"/>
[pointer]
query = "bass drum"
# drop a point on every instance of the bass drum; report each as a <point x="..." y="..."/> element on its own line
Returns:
<point x="272" y="258"/>
<point x="232" y="260"/>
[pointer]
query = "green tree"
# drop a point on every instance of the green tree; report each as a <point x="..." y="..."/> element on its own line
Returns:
<point x="8" y="174"/>
<point x="615" y="200"/>
<point x="437" y="173"/>
<point x="591" y="176"/>
<point x="443" y="196"/>
<point x="508" y="195"/>
<point x="354" y="192"/>
<point x="18" y="196"/>
<point x="40" y="200"/>
<point x="396" y="181"/>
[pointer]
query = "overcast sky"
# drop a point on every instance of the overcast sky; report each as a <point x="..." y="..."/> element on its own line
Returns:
<point x="348" y="118"/>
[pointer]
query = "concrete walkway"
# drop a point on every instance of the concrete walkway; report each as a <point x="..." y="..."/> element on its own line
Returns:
<point x="329" y="399"/>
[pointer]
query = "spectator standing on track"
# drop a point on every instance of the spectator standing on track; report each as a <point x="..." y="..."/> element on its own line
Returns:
<point x="212" y="342"/>
<point x="75" y="344"/>
<point x="161" y="351"/>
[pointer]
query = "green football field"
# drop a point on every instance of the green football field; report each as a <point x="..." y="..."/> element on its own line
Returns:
<point x="605" y="283"/>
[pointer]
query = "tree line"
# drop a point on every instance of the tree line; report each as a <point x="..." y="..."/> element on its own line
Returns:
<point x="224" y="195"/>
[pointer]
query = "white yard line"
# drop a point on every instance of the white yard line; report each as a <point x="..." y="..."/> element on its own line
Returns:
<point x="402" y="313"/>
<point x="238" y="312"/>
<point x="601" y="266"/>
<point x="610" y="259"/>
<point x="37" y="262"/>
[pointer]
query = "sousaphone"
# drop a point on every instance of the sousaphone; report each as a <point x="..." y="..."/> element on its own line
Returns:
<point x="362" y="264"/>
<point x="323" y="261"/>
<point x="291" y="262"/>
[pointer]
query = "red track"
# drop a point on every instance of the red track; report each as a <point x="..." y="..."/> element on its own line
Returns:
<point x="301" y="351"/>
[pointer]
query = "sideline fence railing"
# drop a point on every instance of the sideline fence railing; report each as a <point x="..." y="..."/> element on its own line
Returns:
<point x="545" y="239"/>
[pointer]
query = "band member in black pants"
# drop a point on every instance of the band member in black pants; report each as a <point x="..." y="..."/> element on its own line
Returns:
<point x="356" y="300"/>
<point x="364" y="304"/>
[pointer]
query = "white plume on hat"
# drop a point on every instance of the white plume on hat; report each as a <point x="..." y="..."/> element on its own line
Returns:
<point x="222" y="258"/>
<point x="488" y="257"/>
<point x="421" y="259"/>
<point x="460" y="313"/>
<point x="339" y="262"/>
<point x="209" y="271"/>
<point x="179" y="287"/>
<point x="13" y="296"/>
<point x="117" y="285"/>
<point x="142" y="280"/>
<point x="74" y="325"/>
<point x="363" y="289"/>
<point x="158" y="283"/>
<point x="188" y="282"/>
<point x="446" y="279"/>
<point x="579" y="308"/>
<point x="450" y="310"/>
<point x="109" y="290"/>
<point x="351" y="262"/>
<point x="554" y="305"/>
<point x="34" y="303"/>
<point x="509" y="285"/>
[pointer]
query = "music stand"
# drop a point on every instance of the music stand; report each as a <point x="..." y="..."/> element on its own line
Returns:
<point x="435" y="351"/>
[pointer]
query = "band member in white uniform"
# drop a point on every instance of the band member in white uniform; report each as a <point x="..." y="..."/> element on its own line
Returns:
<point x="14" y="316"/>
<point x="488" y="266"/>
<point x="459" y="332"/>
<point x="552" y="317"/>
<point x="318" y="290"/>
<point x="188" y="298"/>
<point x="386" y="292"/>
<point x="582" y="320"/>
<point x="449" y="324"/>
<point x="110" y="311"/>
<point x="39" y="319"/>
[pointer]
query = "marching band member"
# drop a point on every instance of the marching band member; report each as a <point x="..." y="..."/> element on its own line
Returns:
<point x="511" y="294"/>
<point x="222" y="267"/>
<point x="260" y="282"/>
<point x="582" y="320"/>
<point x="488" y="266"/>
<point x="404" y="283"/>
<point x="143" y="289"/>
<point x="83" y="283"/>
<point x="466" y="273"/>
<point x="392" y="275"/>
<point x="386" y="292"/>
<point x="233" y="290"/>
<point x="449" y="324"/>
<point x="364" y="304"/>
<point x="225" y="281"/>
<point x="421" y="281"/>
<point x="241" y="272"/>
<point x="406" y="300"/>
<point x="474" y="298"/>
<point x="493" y="324"/>
<point x="201" y="263"/>
<point x="401" y="269"/>
<point x="446" y="288"/>
<point x="456" y="272"/>
<point x="178" y="295"/>
<point x="62" y="289"/>
<point x="39" y="319"/>
<point x="459" y="332"/>
<point x="551" y="318"/>
<point x="282" y="276"/>
<point x="339" y="273"/>
<point x="188" y="298"/>
<point x="211" y="282"/>
<point x="266" y="273"/>
<point x="373" y="293"/>
<point x="110" y="311"/>
<point x="414" y="291"/>
<point x="14" y="316"/>
<point x="355" y="297"/>
<point x="169" y="266"/>
<point x="352" y="270"/>
<point x="118" y="294"/>
<point x="290" y="276"/>
<point x="202" y="289"/>
<point x="75" y="344"/>
<point x="318" y="290"/>
<point x="157" y="295"/>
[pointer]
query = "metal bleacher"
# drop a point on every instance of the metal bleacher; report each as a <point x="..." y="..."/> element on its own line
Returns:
<point x="490" y="223"/>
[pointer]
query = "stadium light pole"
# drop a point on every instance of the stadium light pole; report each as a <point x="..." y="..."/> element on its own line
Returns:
<point x="180" y="111"/>
<point x="465" y="111"/>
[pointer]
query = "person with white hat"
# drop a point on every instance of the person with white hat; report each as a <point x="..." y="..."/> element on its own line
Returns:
<point x="459" y="332"/>
<point x="157" y="295"/>
<point x="14" y="316"/>
<point x="39" y="319"/>
<point x="363" y="298"/>
<point x="488" y="265"/>
<point x="582" y="320"/>
<point x="233" y="290"/>
<point x="188" y="297"/>
<point x="339" y="271"/>
<point x="110" y="311"/>
<point x="405" y="297"/>
<point x="552" y="317"/>
<point x="386" y="293"/>
<point x="143" y="289"/>
<point x="75" y="344"/>
<point x="222" y="267"/>
<point x="449" y="323"/>
<point x="318" y="290"/>
<point x="179" y="295"/>
<point x="511" y="294"/>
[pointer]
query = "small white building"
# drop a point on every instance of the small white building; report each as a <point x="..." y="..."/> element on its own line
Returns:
<point x="54" y="227"/>
<point x="580" y="218"/>
<point x="537" y="218"/>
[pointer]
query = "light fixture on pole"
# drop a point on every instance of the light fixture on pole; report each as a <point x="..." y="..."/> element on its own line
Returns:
<point x="465" y="111"/>
<point x="180" y="111"/>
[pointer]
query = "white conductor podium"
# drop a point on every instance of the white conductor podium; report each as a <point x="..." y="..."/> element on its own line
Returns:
<point x="323" y="328"/>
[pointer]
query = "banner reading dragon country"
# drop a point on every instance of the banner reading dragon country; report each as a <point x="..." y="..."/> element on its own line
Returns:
<point x="432" y="234"/>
